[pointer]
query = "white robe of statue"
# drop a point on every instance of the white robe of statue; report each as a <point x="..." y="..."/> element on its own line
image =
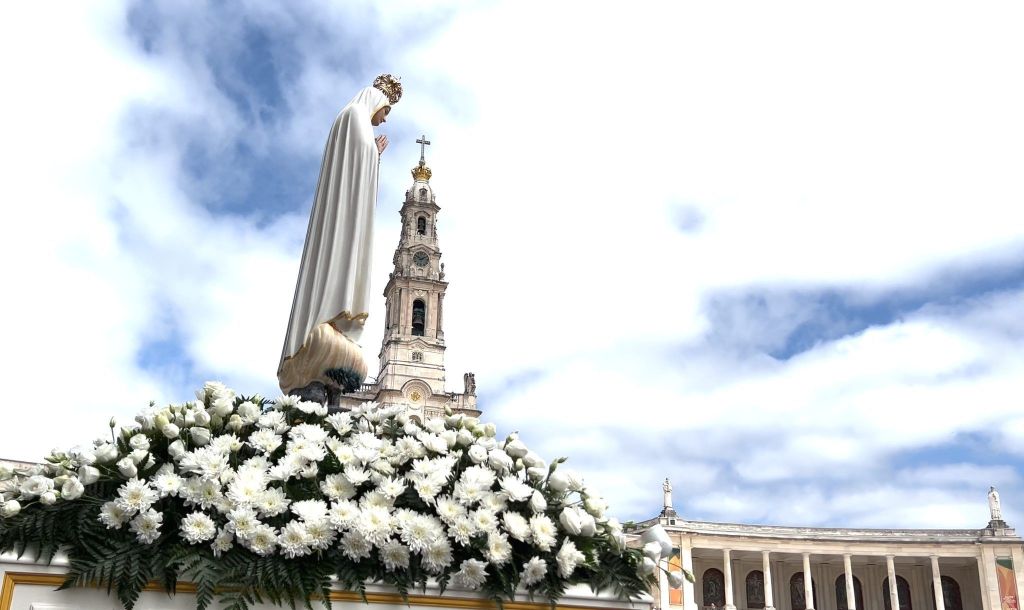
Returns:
<point x="334" y="276"/>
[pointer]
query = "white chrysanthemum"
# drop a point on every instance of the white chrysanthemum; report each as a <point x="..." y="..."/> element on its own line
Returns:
<point x="544" y="531"/>
<point x="432" y="442"/>
<point x="517" y="526"/>
<point x="517" y="490"/>
<point x="273" y="502"/>
<point x="368" y="440"/>
<point x="274" y="420"/>
<point x="342" y="451"/>
<point x="434" y="425"/>
<point x="341" y="422"/>
<point x="394" y="555"/>
<point x="314" y="433"/>
<point x="365" y="455"/>
<point x="305" y="448"/>
<point x="392" y="487"/>
<point x="208" y="462"/>
<point x="343" y="514"/>
<point x="265" y="439"/>
<point x="376" y="499"/>
<point x="568" y="558"/>
<point x="498" y="550"/>
<point x="222" y="543"/>
<point x="136" y="495"/>
<point x="284" y="403"/>
<point x="146" y="526"/>
<point x="243" y="522"/>
<point x="484" y="520"/>
<point x="478" y="476"/>
<point x="248" y="486"/>
<point x="197" y="527"/>
<point x="533" y="571"/>
<point x="313" y="408"/>
<point x="375" y="524"/>
<point x="321" y="534"/>
<point x="408" y="448"/>
<point x="449" y="510"/>
<point x="202" y="493"/>
<point x="462" y="530"/>
<point x="420" y="531"/>
<point x="294" y="540"/>
<point x="467" y="495"/>
<point x="438" y="556"/>
<point x="310" y="510"/>
<point x="262" y="541"/>
<point x="168" y="484"/>
<point x="356" y="476"/>
<point x="404" y="516"/>
<point x="112" y="515"/>
<point x="472" y="574"/>
<point x="355" y="546"/>
<point x="494" y="502"/>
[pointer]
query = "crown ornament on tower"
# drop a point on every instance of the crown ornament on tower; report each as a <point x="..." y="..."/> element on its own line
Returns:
<point x="389" y="86"/>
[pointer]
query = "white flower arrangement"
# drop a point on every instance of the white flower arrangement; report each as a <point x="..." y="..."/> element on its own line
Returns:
<point x="212" y="488"/>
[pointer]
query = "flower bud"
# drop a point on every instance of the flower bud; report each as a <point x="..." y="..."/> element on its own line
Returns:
<point x="127" y="467"/>
<point x="88" y="475"/>
<point x="176" y="449"/>
<point x="537" y="502"/>
<point x="48" y="498"/>
<point x="10" y="508"/>
<point x="647" y="567"/>
<point x="675" y="579"/>
<point x="200" y="436"/>
<point x="72" y="489"/>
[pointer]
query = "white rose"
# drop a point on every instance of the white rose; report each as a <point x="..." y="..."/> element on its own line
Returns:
<point x="222" y="407"/>
<point x="138" y="455"/>
<point x="575" y="480"/>
<point x="570" y="520"/>
<point x="675" y="579"/>
<point x="35" y="485"/>
<point x="202" y="418"/>
<point x="176" y="449"/>
<point x="106" y="453"/>
<point x="532" y="460"/>
<point x="537" y="474"/>
<point x="464" y="437"/>
<point x="450" y="437"/>
<point x="72" y="489"/>
<point x="139" y="441"/>
<point x="588" y="527"/>
<point x="235" y="422"/>
<point x="127" y="468"/>
<point x="162" y="419"/>
<point x="248" y="412"/>
<point x="189" y="419"/>
<point x="488" y="442"/>
<point x="595" y="506"/>
<point x="537" y="502"/>
<point x="477" y="453"/>
<point x="516" y="448"/>
<point x="88" y="475"/>
<point x="558" y="481"/>
<point x="647" y="567"/>
<point x="6" y="471"/>
<point x="652" y="550"/>
<point x="170" y="430"/>
<point x="619" y="541"/>
<point x="200" y="436"/>
<point x="48" y="498"/>
<point x="490" y="430"/>
<point x="10" y="508"/>
<point x="499" y="460"/>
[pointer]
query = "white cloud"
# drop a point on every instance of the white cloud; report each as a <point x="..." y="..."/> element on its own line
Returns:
<point x="804" y="147"/>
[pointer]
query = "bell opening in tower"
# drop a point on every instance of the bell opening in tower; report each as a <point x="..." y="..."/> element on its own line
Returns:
<point x="419" y="316"/>
<point x="421" y="225"/>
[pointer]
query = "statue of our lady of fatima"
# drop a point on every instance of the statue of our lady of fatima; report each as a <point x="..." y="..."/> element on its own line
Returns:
<point x="321" y="355"/>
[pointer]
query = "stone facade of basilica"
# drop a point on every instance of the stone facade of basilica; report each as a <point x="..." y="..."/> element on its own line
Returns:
<point x="803" y="568"/>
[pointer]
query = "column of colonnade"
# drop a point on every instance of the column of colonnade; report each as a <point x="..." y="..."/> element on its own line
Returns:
<point x="691" y="590"/>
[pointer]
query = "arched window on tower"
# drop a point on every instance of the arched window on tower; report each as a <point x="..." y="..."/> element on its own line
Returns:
<point x="421" y="225"/>
<point x="714" y="588"/>
<point x="419" y="317"/>
<point x="423" y="194"/>
<point x="858" y="593"/>
<point x="755" y="589"/>
<point x="902" y="589"/>
<point x="796" y="593"/>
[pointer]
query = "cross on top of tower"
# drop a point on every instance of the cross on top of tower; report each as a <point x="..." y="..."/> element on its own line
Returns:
<point x="424" y="143"/>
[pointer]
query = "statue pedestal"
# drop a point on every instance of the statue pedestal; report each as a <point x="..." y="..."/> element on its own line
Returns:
<point x="27" y="585"/>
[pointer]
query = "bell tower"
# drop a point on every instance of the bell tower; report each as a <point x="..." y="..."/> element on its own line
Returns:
<point x="412" y="352"/>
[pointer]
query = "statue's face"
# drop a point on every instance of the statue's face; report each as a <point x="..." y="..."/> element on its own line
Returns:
<point x="380" y="116"/>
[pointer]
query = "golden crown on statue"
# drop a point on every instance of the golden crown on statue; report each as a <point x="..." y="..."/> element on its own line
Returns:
<point x="389" y="86"/>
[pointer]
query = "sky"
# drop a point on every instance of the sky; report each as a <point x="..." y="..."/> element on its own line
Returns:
<point x="772" y="251"/>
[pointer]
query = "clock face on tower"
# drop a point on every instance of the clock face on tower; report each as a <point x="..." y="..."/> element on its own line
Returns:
<point x="420" y="259"/>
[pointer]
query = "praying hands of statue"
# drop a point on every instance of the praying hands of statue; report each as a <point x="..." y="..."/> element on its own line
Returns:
<point x="382" y="143"/>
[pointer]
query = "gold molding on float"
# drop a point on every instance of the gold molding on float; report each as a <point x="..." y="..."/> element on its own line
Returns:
<point x="12" y="579"/>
